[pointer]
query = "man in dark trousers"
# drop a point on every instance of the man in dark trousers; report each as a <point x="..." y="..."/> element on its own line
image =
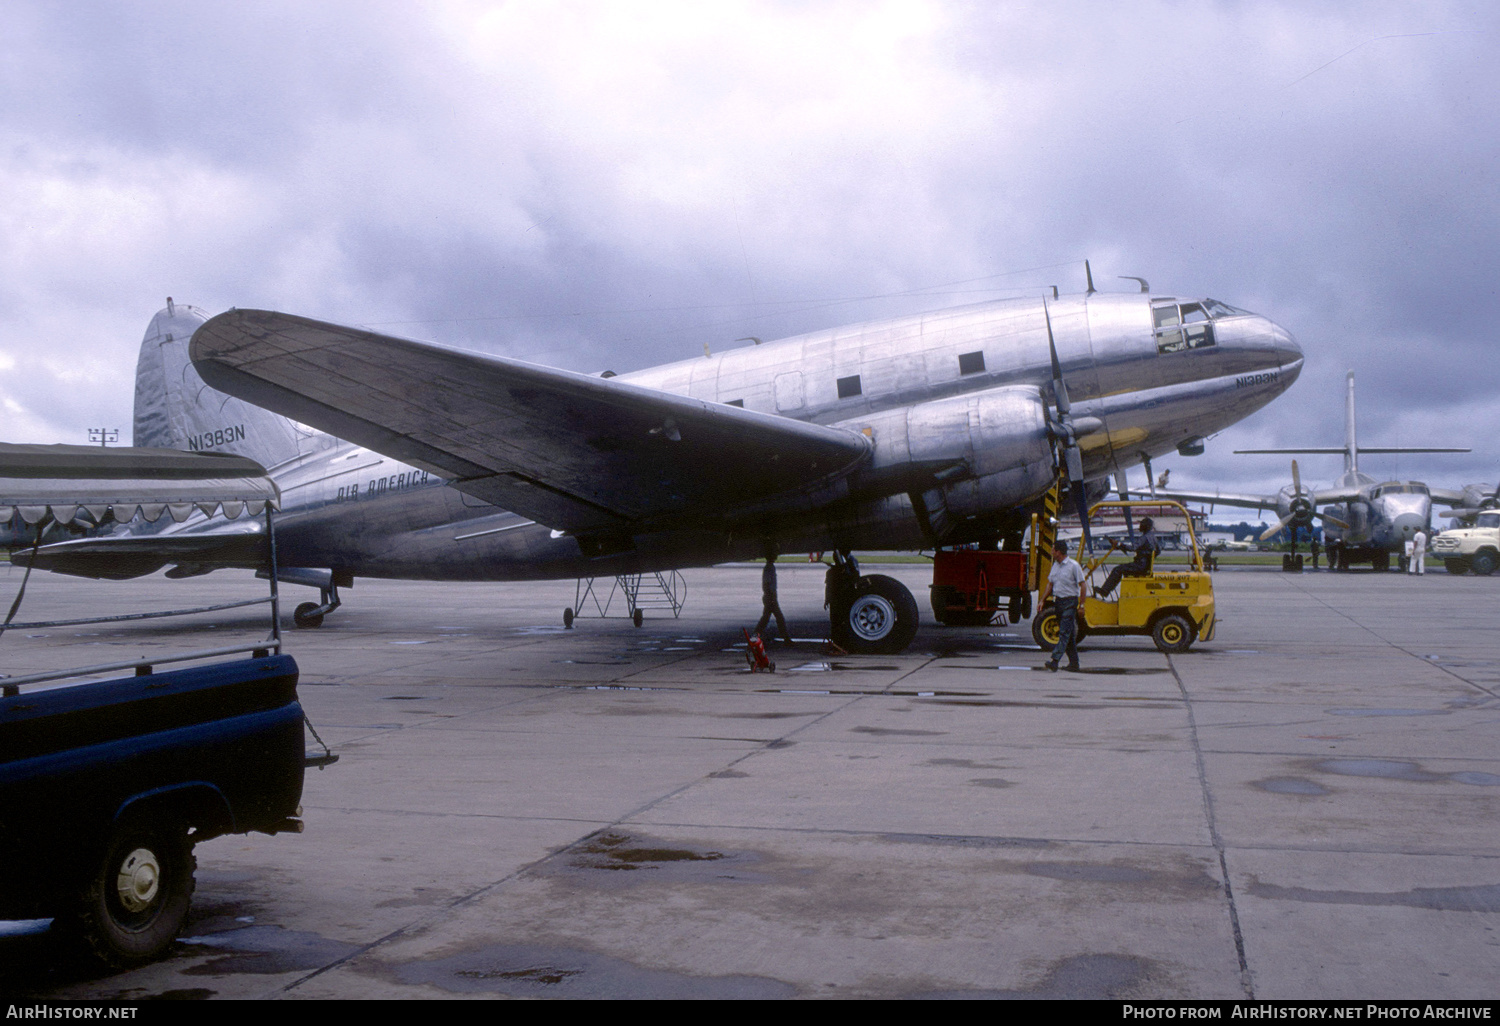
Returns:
<point x="768" y="601"/>
<point x="1146" y="549"/>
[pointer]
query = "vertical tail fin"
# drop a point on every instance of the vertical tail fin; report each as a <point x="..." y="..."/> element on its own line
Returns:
<point x="174" y="409"/>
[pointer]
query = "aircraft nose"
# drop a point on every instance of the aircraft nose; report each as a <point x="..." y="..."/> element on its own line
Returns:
<point x="1288" y="352"/>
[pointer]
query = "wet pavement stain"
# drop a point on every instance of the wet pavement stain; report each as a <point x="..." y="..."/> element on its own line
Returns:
<point x="1290" y="785"/>
<point x="1392" y="769"/>
<point x="995" y="782"/>
<point x="893" y="732"/>
<point x="517" y="970"/>
<point x="727" y="774"/>
<point x="619" y="859"/>
<point x="1190" y="881"/>
<point x="1388" y="712"/>
<point x="1481" y="898"/>
<point x="420" y="896"/>
<point x="963" y="764"/>
<point x="1092" y="977"/>
<point x="967" y="841"/>
<point x="265" y="949"/>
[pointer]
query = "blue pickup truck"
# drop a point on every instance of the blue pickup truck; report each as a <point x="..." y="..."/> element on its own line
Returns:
<point x="105" y="787"/>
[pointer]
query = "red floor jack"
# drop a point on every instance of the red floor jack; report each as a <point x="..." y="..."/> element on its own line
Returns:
<point x="755" y="653"/>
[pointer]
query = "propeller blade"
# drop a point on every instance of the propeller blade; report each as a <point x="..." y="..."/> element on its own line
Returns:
<point x="1329" y="518"/>
<point x="1296" y="480"/>
<point x="1059" y="390"/>
<point x="1276" y="527"/>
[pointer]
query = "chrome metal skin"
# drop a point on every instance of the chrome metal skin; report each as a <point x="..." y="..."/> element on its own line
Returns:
<point x="955" y="405"/>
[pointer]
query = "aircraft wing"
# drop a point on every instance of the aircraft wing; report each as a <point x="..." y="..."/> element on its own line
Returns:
<point x="1219" y="499"/>
<point x="575" y="452"/>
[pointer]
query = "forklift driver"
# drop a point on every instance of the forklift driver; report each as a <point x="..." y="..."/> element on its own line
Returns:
<point x="1146" y="549"/>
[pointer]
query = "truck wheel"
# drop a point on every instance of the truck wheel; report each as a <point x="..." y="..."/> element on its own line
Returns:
<point x="1173" y="633"/>
<point x="134" y="903"/>
<point x="306" y="616"/>
<point x="1483" y="563"/>
<point x="880" y="617"/>
<point x="1455" y="566"/>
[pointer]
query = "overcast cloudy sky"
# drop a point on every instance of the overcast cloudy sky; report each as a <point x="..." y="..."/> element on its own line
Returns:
<point x="613" y="185"/>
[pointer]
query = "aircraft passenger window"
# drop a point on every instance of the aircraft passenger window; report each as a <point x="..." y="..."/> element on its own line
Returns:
<point x="970" y="363"/>
<point x="849" y="387"/>
<point x="1168" y="326"/>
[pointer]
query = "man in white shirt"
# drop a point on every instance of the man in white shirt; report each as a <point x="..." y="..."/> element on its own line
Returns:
<point x="1417" y="562"/>
<point x="1064" y="585"/>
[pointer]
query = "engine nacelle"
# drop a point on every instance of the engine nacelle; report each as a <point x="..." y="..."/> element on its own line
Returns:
<point x="990" y="452"/>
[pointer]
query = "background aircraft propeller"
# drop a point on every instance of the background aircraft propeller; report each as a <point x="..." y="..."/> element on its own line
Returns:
<point x="1300" y="512"/>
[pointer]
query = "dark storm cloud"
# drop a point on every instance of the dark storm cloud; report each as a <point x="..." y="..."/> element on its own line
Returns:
<point x="607" y="186"/>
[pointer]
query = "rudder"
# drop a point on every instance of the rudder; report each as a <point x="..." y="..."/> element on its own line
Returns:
<point x="175" y="409"/>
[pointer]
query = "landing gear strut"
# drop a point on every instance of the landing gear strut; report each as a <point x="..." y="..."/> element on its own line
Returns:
<point x="310" y="614"/>
<point x="868" y="614"/>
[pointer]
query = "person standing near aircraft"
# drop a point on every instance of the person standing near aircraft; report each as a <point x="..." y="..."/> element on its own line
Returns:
<point x="1417" y="562"/>
<point x="1314" y="546"/>
<point x="1146" y="550"/>
<point x="770" y="606"/>
<point x="1064" y="584"/>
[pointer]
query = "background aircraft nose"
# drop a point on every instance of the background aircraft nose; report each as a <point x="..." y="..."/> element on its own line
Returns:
<point x="1287" y="349"/>
<point x="1407" y="525"/>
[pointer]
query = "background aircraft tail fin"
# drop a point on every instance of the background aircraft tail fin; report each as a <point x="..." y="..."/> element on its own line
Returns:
<point x="174" y="409"/>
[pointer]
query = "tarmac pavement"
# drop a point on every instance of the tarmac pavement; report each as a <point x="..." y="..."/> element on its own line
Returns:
<point x="1307" y="807"/>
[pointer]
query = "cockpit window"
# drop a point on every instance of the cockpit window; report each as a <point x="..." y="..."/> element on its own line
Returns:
<point x="1181" y="326"/>
<point x="1217" y="309"/>
<point x="1401" y="488"/>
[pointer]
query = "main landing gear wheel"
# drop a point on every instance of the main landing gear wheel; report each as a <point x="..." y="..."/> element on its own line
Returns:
<point x="134" y="902"/>
<point x="307" y="616"/>
<point x="636" y="617"/>
<point x="1173" y="634"/>
<point x="880" y="616"/>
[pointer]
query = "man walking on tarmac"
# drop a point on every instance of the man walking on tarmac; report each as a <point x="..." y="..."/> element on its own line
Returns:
<point x="770" y="607"/>
<point x="1064" y="582"/>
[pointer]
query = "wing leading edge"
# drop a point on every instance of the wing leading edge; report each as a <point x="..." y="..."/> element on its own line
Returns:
<point x="572" y="451"/>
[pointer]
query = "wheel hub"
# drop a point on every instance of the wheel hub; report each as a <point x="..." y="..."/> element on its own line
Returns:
<point x="139" y="880"/>
<point x="872" y="617"/>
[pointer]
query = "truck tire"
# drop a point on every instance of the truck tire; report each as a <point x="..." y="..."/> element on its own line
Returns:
<point x="134" y="902"/>
<point x="1483" y="563"/>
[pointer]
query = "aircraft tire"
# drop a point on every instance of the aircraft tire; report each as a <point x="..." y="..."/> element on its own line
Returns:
<point x="1173" y="633"/>
<point x="880" y="617"/>
<point x="637" y="617"/>
<point x="1483" y="563"/>
<point x="134" y="902"/>
<point x="568" y="618"/>
<point x="306" y="616"/>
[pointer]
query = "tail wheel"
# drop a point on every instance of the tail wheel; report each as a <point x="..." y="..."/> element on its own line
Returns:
<point x="880" y="617"/>
<point x="135" y="901"/>
<point x="1173" y="633"/>
<point x="307" y="616"/>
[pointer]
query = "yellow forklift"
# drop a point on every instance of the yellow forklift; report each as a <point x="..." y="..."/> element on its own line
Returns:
<point x="1174" y="607"/>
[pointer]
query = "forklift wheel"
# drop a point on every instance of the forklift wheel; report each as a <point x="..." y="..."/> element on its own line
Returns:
<point x="1173" y="633"/>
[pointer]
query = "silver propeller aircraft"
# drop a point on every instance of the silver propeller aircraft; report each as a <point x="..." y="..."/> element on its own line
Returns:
<point x="424" y="462"/>
<point x="1370" y="519"/>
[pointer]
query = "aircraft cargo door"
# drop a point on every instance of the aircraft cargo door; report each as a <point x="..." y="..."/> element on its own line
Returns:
<point x="789" y="397"/>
